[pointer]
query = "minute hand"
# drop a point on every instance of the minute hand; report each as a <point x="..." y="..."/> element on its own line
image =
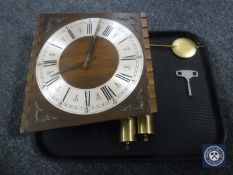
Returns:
<point x="92" y="45"/>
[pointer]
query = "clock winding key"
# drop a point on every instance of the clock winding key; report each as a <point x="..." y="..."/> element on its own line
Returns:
<point x="187" y="74"/>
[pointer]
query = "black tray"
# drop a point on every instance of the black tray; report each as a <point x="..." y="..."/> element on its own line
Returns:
<point x="182" y="124"/>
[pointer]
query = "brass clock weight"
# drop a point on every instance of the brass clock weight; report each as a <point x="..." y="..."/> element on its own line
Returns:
<point x="88" y="68"/>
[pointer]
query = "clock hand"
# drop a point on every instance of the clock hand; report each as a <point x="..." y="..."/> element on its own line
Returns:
<point x="72" y="67"/>
<point x="91" y="47"/>
<point x="69" y="68"/>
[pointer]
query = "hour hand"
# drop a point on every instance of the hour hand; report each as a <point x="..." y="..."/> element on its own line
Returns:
<point x="69" y="68"/>
<point x="72" y="67"/>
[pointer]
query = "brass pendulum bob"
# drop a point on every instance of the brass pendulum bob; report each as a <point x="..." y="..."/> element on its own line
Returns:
<point x="181" y="47"/>
<point x="145" y="126"/>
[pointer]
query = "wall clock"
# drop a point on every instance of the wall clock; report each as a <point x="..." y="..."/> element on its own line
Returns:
<point x="88" y="68"/>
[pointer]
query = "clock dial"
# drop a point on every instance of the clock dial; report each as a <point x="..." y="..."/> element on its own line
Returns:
<point x="89" y="66"/>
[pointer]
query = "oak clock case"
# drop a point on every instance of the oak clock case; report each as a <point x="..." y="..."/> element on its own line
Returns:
<point x="88" y="68"/>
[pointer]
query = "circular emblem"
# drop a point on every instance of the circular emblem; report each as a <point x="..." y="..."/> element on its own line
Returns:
<point x="214" y="156"/>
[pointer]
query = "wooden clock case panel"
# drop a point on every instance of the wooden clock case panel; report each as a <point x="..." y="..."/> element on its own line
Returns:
<point x="38" y="114"/>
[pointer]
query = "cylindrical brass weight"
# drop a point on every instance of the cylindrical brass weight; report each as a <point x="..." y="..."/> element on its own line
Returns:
<point x="145" y="125"/>
<point x="128" y="131"/>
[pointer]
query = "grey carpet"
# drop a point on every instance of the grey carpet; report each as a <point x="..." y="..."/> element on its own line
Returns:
<point x="211" y="20"/>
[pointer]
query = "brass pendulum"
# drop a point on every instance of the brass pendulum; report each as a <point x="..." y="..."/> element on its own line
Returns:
<point x="181" y="47"/>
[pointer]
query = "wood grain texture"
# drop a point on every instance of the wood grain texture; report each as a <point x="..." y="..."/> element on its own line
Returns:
<point x="100" y="69"/>
<point x="150" y="71"/>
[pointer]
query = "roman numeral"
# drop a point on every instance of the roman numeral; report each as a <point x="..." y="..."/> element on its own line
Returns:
<point x="123" y="59"/>
<point x="107" y="31"/>
<point x="123" y="77"/>
<point x="122" y="40"/>
<point x="89" y="28"/>
<point x="49" y="63"/>
<point x="71" y="33"/>
<point x="48" y="83"/>
<point x="108" y="92"/>
<point x="66" y="94"/>
<point x="87" y="98"/>
<point x="130" y="57"/>
<point x="55" y="46"/>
